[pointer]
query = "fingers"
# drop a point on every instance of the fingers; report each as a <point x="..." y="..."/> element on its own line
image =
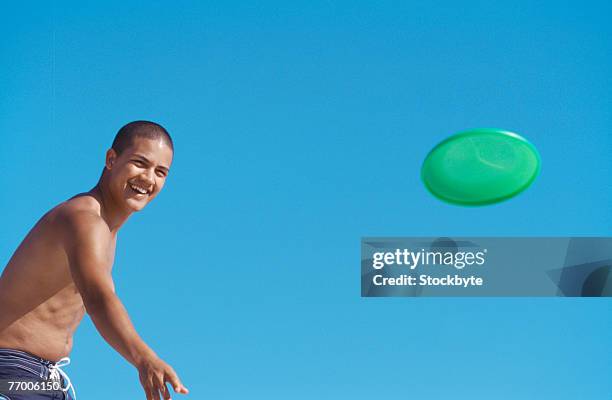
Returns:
<point x="152" y="390"/>
<point x="160" y="387"/>
<point x="146" y="387"/>
<point x="165" y="392"/>
<point x="154" y="377"/>
<point x="155" y="389"/>
<point x="173" y="379"/>
<point x="151" y="393"/>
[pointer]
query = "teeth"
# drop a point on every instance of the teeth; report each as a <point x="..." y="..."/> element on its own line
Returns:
<point x="139" y="189"/>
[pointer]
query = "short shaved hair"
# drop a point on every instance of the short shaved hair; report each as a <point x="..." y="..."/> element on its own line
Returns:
<point x="144" y="129"/>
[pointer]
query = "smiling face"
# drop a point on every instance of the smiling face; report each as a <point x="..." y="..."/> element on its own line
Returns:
<point x="138" y="174"/>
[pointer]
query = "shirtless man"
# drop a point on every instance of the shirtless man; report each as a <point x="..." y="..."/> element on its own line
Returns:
<point x="62" y="269"/>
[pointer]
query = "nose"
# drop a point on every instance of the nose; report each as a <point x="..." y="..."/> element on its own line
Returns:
<point x="148" y="175"/>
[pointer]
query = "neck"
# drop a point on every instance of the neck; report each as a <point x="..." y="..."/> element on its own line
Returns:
<point x="113" y="215"/>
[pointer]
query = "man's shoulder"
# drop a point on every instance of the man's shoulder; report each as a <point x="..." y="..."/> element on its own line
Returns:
<point x="80" y="215"/>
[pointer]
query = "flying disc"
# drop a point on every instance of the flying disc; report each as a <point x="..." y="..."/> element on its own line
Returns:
<point x="480" y="166"/>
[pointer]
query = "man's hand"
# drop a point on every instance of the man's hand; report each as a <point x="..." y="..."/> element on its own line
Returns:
<point x="153" y="374"/>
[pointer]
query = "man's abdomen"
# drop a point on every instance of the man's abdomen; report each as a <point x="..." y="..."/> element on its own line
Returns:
<point x="47" y="330"/>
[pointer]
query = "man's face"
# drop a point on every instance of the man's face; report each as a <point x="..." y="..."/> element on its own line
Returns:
<point x="138" y="174"/>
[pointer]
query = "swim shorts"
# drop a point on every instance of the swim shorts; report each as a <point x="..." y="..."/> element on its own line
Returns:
<point x="24" y="376"/>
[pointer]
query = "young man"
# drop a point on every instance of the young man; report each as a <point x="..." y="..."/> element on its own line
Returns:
<point x="62" y="269"/>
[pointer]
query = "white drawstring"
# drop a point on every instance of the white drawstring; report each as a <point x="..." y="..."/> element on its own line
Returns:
<point x="56" y="372"/>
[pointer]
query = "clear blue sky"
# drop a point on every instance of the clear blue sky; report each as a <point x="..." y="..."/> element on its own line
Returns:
<point x="299" y="128"/>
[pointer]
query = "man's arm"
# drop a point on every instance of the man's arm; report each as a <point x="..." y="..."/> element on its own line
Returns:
<point x="88" y="245"/>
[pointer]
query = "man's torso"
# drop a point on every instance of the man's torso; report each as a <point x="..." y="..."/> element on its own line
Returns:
<point x="40" y="306"/>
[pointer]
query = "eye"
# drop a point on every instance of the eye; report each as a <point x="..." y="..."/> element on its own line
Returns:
<point x="138" y="163"/>
<point x="161" y="173"/>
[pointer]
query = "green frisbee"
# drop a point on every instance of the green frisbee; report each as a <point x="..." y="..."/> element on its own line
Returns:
<point x="480" y="166"/>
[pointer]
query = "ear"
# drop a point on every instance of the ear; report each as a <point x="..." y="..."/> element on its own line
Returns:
<point x="111" y="157"/>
